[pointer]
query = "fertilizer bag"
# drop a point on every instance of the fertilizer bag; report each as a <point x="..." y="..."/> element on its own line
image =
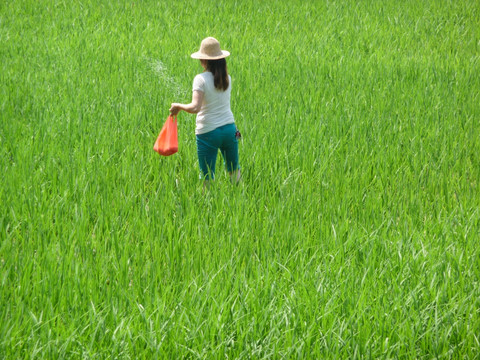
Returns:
<point x="167" y="140"/>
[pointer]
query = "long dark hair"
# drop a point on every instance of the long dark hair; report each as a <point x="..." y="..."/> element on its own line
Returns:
<point x="220" y="75"/>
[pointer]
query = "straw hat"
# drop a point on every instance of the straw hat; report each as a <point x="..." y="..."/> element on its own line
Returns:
<point x="210" y="50"/>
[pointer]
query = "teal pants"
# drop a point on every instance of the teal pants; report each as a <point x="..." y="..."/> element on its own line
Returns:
<point x="223" y="139"/>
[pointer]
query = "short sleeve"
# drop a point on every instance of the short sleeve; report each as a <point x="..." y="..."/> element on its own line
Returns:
<point x="198" y="83"/>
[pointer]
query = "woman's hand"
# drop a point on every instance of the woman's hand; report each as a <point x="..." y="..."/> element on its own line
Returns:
<point x="175" y="108"/>
<point x="192" y="108"/>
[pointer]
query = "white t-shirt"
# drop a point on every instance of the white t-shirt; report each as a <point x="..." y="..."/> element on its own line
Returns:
<point x="215" y="110"/>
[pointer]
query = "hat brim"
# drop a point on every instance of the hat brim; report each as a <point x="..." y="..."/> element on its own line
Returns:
<point x="202" y="56"/>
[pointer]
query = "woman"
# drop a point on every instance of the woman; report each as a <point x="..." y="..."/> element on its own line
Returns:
<point x="215" y="125"/>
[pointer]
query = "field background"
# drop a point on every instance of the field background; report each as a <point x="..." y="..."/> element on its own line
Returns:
<point x="354" y="234"/>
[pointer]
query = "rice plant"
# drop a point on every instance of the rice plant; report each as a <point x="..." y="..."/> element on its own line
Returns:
<point x="354" y="233"/>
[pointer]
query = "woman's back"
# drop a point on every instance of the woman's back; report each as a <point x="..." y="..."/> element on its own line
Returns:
<point x="215" y="110"/>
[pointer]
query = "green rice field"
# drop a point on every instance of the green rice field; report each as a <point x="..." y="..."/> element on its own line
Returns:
<point x="355" y="231"/>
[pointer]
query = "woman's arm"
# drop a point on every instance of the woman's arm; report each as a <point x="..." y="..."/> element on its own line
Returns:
<point x="192" y="108"/>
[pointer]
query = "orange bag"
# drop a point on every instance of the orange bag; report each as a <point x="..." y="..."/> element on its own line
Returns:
<point x="167" y="141"/>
